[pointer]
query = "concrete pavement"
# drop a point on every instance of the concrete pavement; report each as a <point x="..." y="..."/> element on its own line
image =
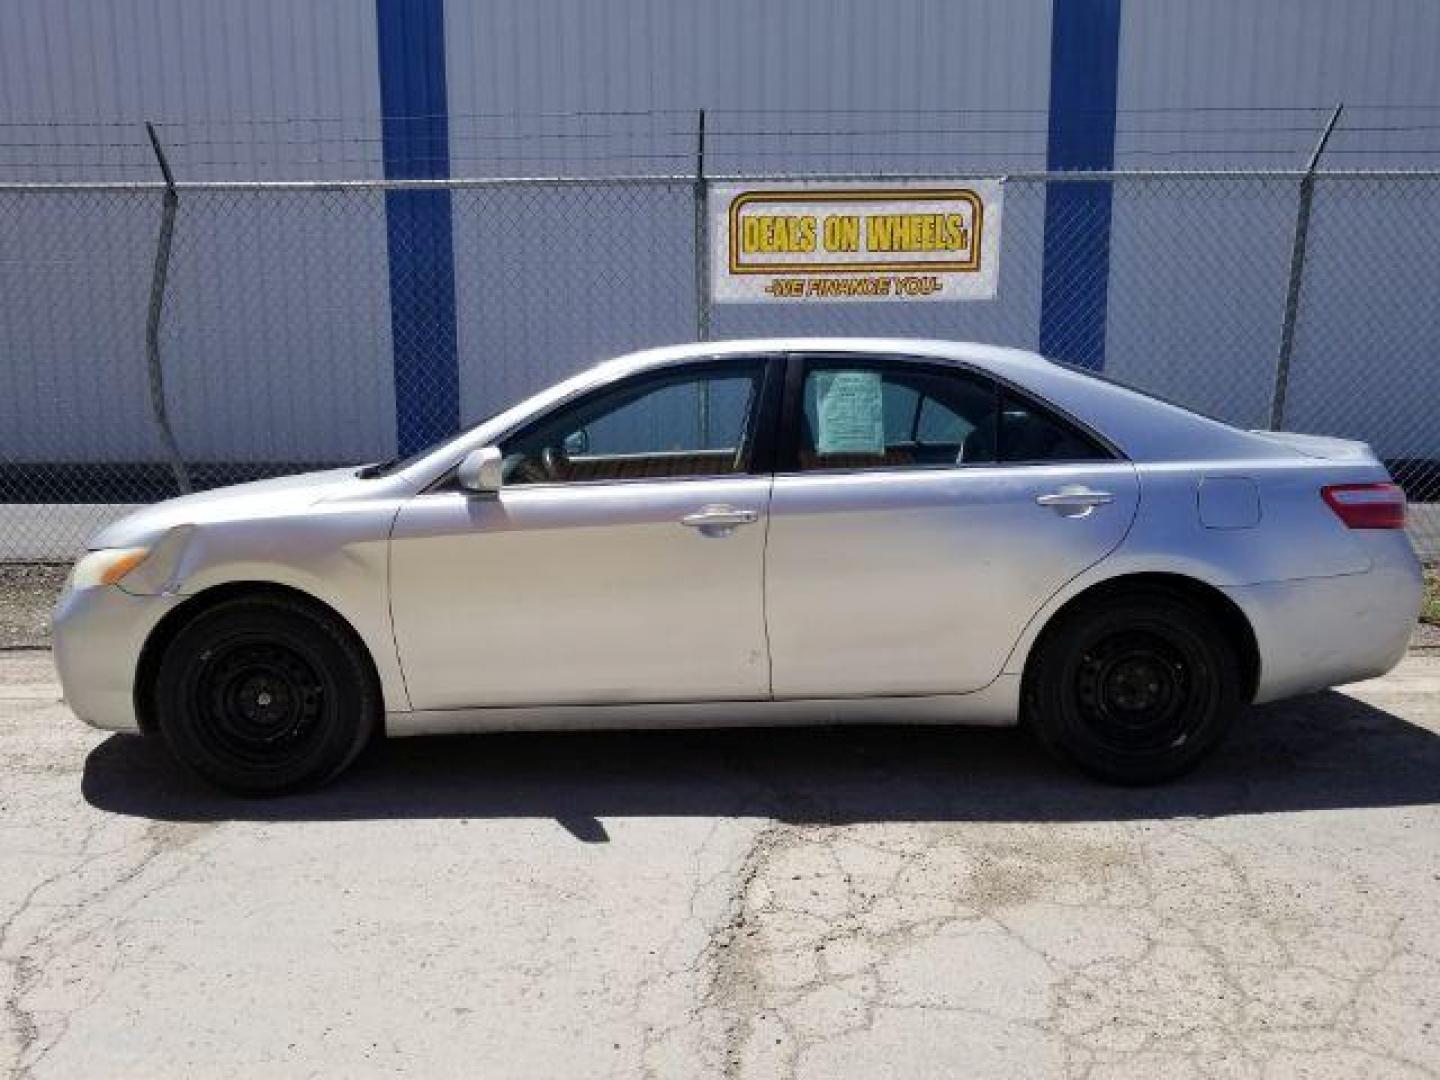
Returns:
<point x="862" y="903"/>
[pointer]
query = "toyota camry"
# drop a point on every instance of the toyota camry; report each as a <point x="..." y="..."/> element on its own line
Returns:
<point x="788" y="531"/>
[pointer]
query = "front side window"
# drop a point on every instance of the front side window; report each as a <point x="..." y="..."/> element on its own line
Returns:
<point x="689" y="423"/>
<point x="877" y="414"/>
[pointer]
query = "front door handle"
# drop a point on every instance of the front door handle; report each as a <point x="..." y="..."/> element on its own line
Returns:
<point x="718" y="519"/>
<point x="1075" y="501"/>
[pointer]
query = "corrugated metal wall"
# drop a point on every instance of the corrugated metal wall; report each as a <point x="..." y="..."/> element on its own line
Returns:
<point x="787" y="87"/>
<point x="271" y="88"/>
<point x="263" y="89"/>
<point x="1209" y="337"/>
<point x="563" y="55"/>
<point x="259" y="89"/>
<point x="1234" y="55"/>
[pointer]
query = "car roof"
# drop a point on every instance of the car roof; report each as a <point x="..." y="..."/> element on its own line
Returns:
<point x="997" y="358"/>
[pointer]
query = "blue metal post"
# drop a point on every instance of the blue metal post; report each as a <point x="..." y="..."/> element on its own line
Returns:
<point x="1084" y="62"/>
<point x="416" y="144"/>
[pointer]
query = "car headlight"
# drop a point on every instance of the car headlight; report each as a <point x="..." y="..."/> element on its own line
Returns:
<point x="106" y="567"/>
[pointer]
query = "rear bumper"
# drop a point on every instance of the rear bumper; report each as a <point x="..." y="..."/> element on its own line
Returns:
<point x="1315" y="633"/>
<point x="98" y="637"/>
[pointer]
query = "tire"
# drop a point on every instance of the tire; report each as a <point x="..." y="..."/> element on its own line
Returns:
<point x="264" y="695"/>
<point x="1133" y="689"/>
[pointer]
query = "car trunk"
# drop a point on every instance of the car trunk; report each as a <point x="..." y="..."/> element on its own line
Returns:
<point x="1322" y="446"/>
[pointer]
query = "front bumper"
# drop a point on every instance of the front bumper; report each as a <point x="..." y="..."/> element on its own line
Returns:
<point x="98" y="637"/>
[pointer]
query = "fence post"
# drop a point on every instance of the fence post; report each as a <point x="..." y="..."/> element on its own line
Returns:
<point x="702" y="272"/>
<point x="168" y="205"/>
<point x="702" y="238"/>
<point x="1297" y="273"/>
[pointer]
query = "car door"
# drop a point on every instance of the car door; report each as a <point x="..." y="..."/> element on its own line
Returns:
<point x="622" y="560"/>
<point x="921" y="514"/>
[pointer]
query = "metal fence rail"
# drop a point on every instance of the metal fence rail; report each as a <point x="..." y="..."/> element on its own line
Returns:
<point x="275" y="346"/>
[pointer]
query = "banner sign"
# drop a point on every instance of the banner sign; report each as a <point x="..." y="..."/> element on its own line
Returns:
<point x="819" y="242"/>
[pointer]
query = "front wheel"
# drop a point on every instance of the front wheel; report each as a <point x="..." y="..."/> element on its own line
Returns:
<point x="265" y="694"/>
<point x="1134" y="689"/>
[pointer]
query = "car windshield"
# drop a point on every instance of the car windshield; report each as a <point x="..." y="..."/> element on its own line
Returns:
<point x="391" y="466"/>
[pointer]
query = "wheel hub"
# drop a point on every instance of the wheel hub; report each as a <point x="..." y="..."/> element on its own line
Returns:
<point x="1137" y="683"/>
<point x="259" y="698"/>
<point x="264" y="700"/>
<point x="1133" y="690"/>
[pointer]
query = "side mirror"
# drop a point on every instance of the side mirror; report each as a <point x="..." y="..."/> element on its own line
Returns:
<point x="577" y="443"/>
<point x="482" y="471"/>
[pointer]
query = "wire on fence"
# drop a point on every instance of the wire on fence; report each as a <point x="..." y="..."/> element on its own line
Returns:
<point x="282" y="346"/>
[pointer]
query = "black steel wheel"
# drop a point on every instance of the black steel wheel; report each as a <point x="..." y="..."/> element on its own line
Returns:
<point x="1134" y="689"/>
<point x="266" y="694"/>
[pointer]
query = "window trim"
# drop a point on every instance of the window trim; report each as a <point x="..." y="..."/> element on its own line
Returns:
<point x="798" y="365"/>
<point x="759" y="434"/>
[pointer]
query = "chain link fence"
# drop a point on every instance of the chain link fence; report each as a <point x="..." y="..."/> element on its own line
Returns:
<point x="280" y="348"/>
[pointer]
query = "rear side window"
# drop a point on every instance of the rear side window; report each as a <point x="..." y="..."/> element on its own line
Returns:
<point x="1029" y="433"/>
<point x="896" y="414"/>
<point x="880" y="415"/>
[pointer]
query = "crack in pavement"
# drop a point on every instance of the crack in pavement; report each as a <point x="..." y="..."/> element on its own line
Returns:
<point x="38" y="930"/>
<point x="1157" y="953"/>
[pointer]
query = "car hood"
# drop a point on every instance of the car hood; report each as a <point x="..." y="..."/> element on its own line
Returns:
<point x="255" y="499"/>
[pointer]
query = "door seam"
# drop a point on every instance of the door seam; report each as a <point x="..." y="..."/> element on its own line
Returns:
<point x="765" y="591"/>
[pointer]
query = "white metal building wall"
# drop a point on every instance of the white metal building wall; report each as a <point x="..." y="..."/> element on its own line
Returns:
<point x="265" y="89"/>
<point x="758" y="68"/>
<point x="271" y="88"/>
<point x="1365" y="268"/>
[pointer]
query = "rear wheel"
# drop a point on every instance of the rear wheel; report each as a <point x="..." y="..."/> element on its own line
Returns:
<point x="1135" y="688"/>
<point x="261" y="695"/>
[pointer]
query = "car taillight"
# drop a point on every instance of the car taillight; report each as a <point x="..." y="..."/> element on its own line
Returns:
<point x="1367" y="506"/>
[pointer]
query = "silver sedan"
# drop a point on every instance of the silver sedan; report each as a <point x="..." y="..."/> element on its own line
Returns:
<point x="788" y="531"/>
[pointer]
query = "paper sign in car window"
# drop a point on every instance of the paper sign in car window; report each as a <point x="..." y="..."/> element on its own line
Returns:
<point x="851" y="413"/>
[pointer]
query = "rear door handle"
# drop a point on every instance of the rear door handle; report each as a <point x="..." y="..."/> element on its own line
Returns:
<point x="718" y="519"/>
<point x="1075" y="501"/>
